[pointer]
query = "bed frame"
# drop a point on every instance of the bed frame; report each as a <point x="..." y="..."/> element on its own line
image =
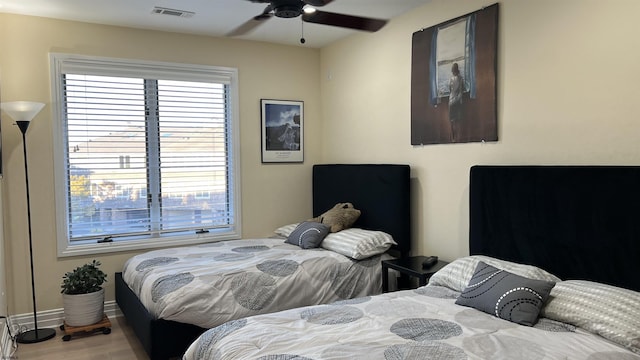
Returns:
<point x="380" y="191"/>
<point x="577" y="222"/>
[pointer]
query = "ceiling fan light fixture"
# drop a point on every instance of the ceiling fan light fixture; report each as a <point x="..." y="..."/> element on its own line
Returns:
<point x="287" y="11"/>
<point x="308" y="9"/>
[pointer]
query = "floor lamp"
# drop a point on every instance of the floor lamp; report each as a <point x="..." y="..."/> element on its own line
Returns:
<point x="23" y="112"/>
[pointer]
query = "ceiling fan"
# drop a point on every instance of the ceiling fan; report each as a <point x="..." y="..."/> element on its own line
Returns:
<point x="295" y="8"/>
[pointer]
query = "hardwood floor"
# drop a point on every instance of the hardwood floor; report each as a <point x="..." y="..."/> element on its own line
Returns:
<point x="120" y="344"/>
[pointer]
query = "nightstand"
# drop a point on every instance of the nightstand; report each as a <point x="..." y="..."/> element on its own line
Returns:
<point x="409" y="266"/>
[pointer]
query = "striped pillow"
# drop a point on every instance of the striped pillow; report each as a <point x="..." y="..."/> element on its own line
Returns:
<point x="286" y="230"/>
<point x="609" y="311"/>
<point x="358" y="243"/>
<point x="456" y="275"/>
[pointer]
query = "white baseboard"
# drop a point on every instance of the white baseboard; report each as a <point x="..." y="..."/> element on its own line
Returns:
<point x="55" y="317"/>
<point x="46" y="319"/>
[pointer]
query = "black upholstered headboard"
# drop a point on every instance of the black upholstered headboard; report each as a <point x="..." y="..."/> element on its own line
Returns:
<point x="578" y="222"/>
<point x="379" y="191"/>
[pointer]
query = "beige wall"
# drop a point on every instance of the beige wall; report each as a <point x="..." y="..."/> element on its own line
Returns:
<point x="272" y="194"/>
<point x="567" y="90"/>
<point x="567" y="94"/>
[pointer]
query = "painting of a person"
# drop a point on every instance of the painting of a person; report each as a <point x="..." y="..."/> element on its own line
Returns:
<point x="456" y="88"/>
<point x="288" y="139"/>
<point x="453" y="80"/>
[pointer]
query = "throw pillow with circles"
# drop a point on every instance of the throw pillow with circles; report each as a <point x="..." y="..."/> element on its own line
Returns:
<point x="308" y="234"/>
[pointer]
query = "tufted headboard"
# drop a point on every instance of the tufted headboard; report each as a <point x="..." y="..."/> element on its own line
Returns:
<point x="380" y="191"/>
<point x="578" y="222"/>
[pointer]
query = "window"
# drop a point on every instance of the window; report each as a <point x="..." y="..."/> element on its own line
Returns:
<point x="145" y="154"/>
<point x="451" y="48"/>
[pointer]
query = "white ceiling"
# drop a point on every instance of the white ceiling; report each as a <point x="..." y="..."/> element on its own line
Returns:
<point x="212" y="17"/>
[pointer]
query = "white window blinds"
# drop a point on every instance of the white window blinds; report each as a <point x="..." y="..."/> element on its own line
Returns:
<point x="145" y="156"/>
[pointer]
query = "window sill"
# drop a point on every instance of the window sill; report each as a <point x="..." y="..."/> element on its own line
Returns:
<point x="147" y="244"/>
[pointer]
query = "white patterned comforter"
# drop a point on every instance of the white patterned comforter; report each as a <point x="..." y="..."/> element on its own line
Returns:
<point x="210" y="284"/>
<point x="413" y="324"/>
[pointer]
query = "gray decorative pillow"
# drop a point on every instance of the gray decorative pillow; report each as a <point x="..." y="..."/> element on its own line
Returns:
<point x="308" y="234"/>
<point x="505" y="295"/>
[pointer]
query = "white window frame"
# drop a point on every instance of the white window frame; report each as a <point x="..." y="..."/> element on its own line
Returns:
<point x="62" y="63"/>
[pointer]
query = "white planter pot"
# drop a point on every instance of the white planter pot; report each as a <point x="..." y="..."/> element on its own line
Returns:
<point x="83" y="309"/>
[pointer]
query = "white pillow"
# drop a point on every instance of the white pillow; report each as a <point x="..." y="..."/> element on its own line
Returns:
<point x="609" y="311"/>
<point x="286" y="230"/>
<point x="358" y="243"/>
<point x="456" y="274"/>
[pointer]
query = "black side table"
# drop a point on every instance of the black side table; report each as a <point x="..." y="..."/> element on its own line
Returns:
<point x="410" y="266"/>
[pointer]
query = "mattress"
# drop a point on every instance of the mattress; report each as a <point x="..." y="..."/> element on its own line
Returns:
<point x="209" y="284"/>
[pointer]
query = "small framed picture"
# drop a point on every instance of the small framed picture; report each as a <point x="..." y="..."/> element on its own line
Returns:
<point x="282" y="131"/>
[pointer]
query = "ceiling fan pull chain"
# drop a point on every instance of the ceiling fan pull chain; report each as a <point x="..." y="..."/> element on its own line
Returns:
<point x="302" y="40"/>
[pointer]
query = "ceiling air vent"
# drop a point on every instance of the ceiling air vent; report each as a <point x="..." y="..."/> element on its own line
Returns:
<point x="172" y="12"/>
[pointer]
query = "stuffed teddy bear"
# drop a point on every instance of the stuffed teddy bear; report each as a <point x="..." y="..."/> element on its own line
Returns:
<point x="339" y="217"/>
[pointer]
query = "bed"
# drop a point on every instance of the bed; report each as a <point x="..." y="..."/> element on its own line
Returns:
<point x="170" y="296"/>
<point x="562" y="239"/>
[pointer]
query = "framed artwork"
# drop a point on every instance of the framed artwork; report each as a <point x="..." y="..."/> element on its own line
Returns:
<point x="282" y="131"/>
<point x="453" y="80"/>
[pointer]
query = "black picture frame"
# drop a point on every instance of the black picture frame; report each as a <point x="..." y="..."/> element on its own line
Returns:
<point x="282" y="129"/>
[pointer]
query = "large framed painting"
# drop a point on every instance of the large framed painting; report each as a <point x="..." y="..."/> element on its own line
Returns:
<point x="282" y="131"/>
<point x="453" y="80"/>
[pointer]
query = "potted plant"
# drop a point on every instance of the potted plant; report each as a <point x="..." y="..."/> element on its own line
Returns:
<point x="83" y="295"/>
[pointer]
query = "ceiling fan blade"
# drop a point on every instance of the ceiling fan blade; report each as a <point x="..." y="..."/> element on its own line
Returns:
<point x="246" y="27"/>
<point x="345" y="21"/>
<point x="252" y="23"/>
<point x="266" y="13"/>
<point x="317" y="2"/>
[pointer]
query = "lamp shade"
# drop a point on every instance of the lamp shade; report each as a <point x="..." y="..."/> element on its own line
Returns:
<point x="22" y="110"/>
